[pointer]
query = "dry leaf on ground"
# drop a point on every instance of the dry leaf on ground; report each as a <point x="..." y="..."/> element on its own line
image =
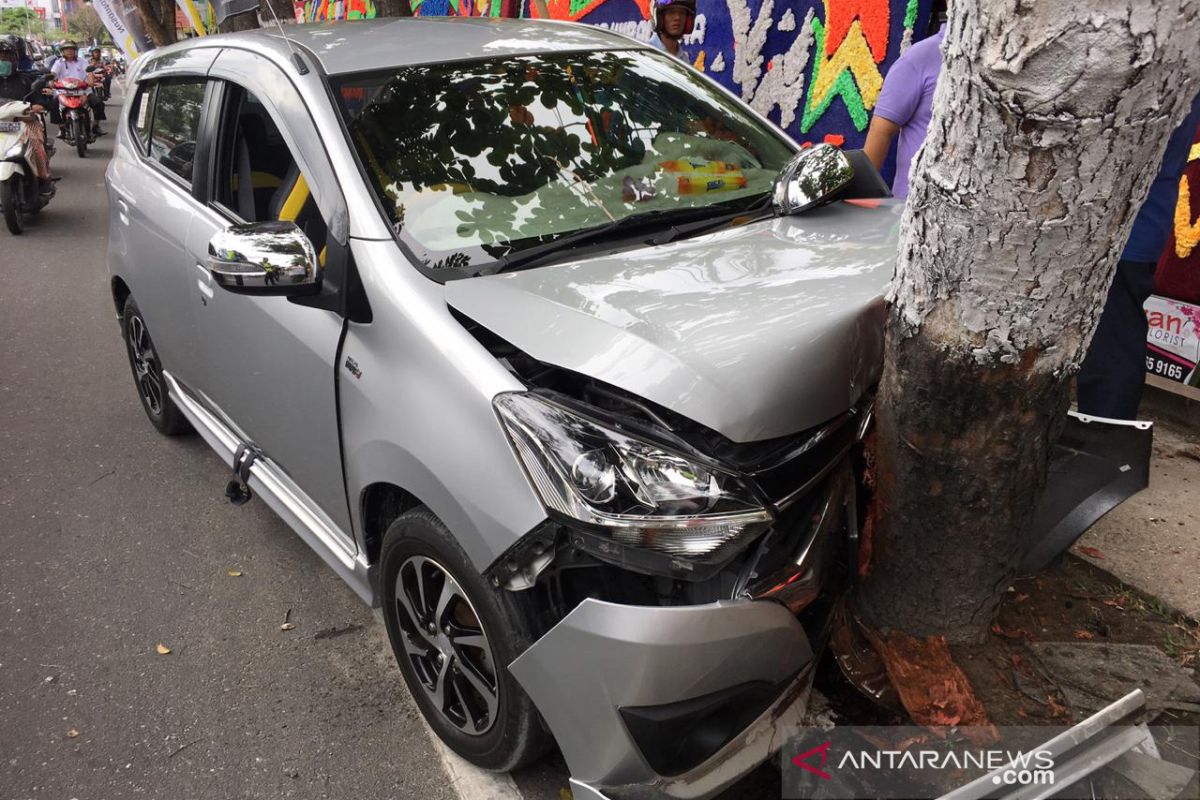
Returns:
<point x="287" y="626"/>
<point x="233" y="573"/>
<point x="162" y="649"/>
<point x="1091" y="552"/>
<point x="71" y="734"/>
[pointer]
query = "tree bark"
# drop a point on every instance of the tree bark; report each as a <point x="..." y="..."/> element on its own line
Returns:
<point x="394" y="8"/>
<point x="158" y="19"/>
<point x="1049" y="124"/>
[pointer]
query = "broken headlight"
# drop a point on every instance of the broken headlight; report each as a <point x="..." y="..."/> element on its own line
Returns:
<point x="640" y="493"/>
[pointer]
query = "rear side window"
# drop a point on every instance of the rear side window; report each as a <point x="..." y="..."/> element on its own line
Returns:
<point x="176" y="124"/>
<point x="141" y="114"/>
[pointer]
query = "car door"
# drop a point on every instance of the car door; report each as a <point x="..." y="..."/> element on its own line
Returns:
<point x="153" y="201"/>
<point x="270" y="362"/>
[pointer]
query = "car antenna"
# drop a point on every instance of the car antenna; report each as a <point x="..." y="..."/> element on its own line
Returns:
<point x="296" y="59"/>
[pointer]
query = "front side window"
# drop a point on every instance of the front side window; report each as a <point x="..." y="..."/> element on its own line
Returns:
<point x="176" y="124"/>
<point x="259" y="178"/>
<point x="476" y="161"/>
<point x="141" y="115"/>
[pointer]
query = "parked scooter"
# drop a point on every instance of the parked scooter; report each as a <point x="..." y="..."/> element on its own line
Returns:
<point x="72" y="97"/>
<point x="20" y="195"/>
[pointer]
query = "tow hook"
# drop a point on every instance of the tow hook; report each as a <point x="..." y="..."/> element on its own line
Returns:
<point x="238" y="489"/>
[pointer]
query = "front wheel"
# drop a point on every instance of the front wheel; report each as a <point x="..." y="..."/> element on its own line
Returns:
<point x="12" y="202"/>
<point x="80" y="132"/>
<point x="453" y="636"/>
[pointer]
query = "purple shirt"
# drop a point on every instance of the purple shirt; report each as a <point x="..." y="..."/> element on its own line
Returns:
<point x="907" y="100"/>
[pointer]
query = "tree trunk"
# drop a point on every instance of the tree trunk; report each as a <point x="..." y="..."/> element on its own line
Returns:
<point x="1050" y="121"/>
<point x="160" y="28"/>
<point x="394" y="8"/>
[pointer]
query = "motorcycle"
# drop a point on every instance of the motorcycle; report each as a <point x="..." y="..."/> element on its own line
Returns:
<point x="72" y="96"/>
<point x="20" y="194"/>
<point x="101" y="77"/>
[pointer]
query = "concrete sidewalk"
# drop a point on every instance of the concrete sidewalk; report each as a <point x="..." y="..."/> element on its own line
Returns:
<point x="1152" y="540"/>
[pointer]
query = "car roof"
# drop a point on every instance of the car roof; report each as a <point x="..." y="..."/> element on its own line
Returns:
<point x="402" y="41"/>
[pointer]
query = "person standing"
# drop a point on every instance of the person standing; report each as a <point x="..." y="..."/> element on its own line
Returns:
<point x="905" y="106"/>
<point x="1113" y="374"/>
<point x="673" y="19"/>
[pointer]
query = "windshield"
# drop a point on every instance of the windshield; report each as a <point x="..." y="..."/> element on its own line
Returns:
<point x="475" y="161"/>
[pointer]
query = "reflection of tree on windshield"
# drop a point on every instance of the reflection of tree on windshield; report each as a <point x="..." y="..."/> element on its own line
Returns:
<point x="525" y="140"/>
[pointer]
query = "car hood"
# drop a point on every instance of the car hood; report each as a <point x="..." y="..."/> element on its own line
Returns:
<point x="755" y="332"/>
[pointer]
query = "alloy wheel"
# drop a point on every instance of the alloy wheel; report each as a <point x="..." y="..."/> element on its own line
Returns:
<point x="146" y="369"/>
<point x="446" y="645"/>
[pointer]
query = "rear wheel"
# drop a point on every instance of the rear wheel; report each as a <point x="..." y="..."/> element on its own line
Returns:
<point x="12" y="202"/>
<point x="148" y="376"/>
<point x="80" y="132"/>
<point x="453" y="636"/>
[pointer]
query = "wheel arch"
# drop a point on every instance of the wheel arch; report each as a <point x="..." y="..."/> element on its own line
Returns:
<point x="120" y="293"/>
<point x="385" y="479"/>
<point x="380" y="504"/>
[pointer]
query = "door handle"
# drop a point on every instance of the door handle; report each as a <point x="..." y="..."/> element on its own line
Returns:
<point x="205" y="282"/>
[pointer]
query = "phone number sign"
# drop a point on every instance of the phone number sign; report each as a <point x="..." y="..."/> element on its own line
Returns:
<point x="1173" y="339"/>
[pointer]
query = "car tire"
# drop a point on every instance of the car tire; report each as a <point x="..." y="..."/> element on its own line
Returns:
<point x="418" y="542"/>
<point x="147" y="374"/>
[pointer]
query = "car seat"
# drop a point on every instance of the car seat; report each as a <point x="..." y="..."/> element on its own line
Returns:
<point x="294" y="202"/>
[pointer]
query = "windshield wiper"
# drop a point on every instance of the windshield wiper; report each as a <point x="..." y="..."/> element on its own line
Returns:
<point x="540" y="252"/>
<point x="677" y="232"/>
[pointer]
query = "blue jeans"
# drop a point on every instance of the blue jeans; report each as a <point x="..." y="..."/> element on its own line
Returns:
<point x="1114" y="371"/>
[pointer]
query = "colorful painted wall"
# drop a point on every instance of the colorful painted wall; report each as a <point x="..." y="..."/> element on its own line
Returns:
<point x="813" y="66"/>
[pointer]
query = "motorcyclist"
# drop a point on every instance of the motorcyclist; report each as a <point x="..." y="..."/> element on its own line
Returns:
<point x="673" y="19"/>
<point x="22" y="87"/>
<point x="72" y="66"/>
<point x="96" y="63"/>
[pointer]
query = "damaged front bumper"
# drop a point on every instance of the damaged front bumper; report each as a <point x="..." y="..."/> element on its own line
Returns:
<point x="679" y="701"/>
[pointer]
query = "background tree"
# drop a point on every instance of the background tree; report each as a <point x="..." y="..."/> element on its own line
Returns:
<point x="21" y="21"/>
<point x="158" y="17"/>
<point x="85" y="25"/>
<point x="1050" y="121"/>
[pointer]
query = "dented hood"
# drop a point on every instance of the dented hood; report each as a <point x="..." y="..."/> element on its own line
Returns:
<point x="756" y="332"/>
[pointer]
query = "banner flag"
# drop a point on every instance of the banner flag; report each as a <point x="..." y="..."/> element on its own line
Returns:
<point x="188" y="7"/>
<point x="112" y="14"/>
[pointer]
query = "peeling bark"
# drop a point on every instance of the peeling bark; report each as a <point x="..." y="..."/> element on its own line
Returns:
<point x="158" y="17"/>
<point x="1049" y="124"/>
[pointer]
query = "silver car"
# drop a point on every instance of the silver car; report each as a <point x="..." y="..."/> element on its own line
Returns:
<point x="510" y="323"/>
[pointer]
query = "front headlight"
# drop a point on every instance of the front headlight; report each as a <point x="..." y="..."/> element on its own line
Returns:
<point x="641" y="493"/>
<point x="16" y="151"/>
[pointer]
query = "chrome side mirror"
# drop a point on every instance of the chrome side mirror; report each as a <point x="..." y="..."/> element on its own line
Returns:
<point x="264" y="258"/>
<point x="811" y="178"/>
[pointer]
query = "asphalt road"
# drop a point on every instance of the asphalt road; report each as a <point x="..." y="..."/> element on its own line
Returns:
<point x="114" y="540"/>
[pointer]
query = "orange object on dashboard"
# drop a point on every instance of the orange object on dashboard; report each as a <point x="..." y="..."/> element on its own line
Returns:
<point x="699" y="183"/>
<point x="697" y="165"/>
